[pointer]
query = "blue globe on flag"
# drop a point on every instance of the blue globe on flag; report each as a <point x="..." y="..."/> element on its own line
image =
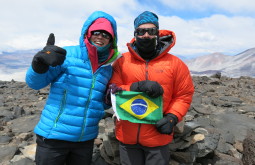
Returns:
<point x="139" y="106"/>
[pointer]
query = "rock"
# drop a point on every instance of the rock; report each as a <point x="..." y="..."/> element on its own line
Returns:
<point x="195" y="138"/>
<point x="239" y="146"/>
<point x="224" y="159"/>
<point x="176" y="144"/>
<point x="5" y="139"/>
<point x="29" y="151"/>
<point x="7" y="152"/>
<point x="18" y="111"/>
<point x="98" y="142"/>
<point x="28" y="124"/>
<point x="188" y="141"/>
<point x="5" y="115"/>
<point x="233" y="100"/>
<point x="201" y="131"/>
<point x="110" y="148"/>
<point x="22" y="160"/>
<point x="214" y="131"/>
<point x="209" y="144"/>
<point x="188" y="156"/>
<point x="203" y="109"/>
<point x="24" y="136"/>
<point x="188" y="128"/>
<point x="249" y="149"/>
<point x="233" y="152"/>
<point x="99" y="161"/>
<point x="216" y="75"/>
<point x="179" y="128"/>
<point x="237" y="124"/>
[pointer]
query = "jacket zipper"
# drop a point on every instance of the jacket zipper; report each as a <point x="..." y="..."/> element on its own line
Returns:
<point x="139" y="125"/>
<point x="87" y="104"/>
<point x="138" y="133"/>
<point x="63" y="102"/>
<point x="146" y="70"/>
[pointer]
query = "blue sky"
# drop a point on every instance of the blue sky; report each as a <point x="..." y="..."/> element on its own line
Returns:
<point x="201" y="26"/>
<point x="194" y="9"/>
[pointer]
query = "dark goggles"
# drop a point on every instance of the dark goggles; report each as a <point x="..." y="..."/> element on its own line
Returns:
<point x="142" y="31"/>
<point x="103" y="33"/>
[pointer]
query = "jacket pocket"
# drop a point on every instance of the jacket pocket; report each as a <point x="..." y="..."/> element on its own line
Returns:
<point x="61" y="109"/>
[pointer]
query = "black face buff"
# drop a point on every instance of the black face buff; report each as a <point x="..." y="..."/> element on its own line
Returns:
<point x="146" y="47"/>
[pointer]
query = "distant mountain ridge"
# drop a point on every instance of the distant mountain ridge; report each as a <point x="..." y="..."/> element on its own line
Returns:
<point x="242" y="64"/>
<point x="13" y="65"/>
<point x="17" y="59"/>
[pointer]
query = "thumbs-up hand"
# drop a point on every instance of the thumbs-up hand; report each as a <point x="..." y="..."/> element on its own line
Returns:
<point x="51" y="55"/>
<point x="51" y="39"/>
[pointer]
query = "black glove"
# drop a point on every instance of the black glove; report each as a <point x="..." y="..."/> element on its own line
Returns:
<point x="151" y="88"/>
<point x="166" y="124"/>
<point x="112" y="88"/>
<point x="51" y="55"/>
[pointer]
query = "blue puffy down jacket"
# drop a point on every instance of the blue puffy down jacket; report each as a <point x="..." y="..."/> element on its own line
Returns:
<point x="75" y="103"/>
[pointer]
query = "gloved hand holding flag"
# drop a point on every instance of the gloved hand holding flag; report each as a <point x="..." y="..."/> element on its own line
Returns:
<point x="137" y="107"/>
<point x="112" y="88"/>
<point x="151" y="88"/>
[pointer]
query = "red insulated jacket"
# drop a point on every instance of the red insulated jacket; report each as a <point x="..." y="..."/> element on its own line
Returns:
<point x="169" y="71"/>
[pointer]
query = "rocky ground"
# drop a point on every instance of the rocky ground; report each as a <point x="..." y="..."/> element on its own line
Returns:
<point x="218" y="129"/>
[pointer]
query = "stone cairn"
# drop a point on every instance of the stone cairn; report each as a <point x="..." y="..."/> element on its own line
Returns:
<point x="219" y="128"/>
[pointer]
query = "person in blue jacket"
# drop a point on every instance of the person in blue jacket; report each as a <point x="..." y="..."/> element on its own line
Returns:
<point x="78" y="76"/>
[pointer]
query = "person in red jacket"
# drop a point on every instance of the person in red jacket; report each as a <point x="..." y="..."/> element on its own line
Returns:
<point x="148" y="67"/>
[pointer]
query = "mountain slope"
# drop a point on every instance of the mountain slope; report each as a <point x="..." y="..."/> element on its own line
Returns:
<point x="14" y="65"/>
<point x="17" y="59"/>
<point x="242" y="64"/>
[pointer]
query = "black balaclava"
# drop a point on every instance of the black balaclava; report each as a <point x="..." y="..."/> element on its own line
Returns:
<point x="146" y="47"/>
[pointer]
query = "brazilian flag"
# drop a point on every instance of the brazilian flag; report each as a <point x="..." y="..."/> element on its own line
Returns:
<point x="138" y="107"/>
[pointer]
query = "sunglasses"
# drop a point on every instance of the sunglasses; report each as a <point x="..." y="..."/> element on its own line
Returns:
<point x="142" y="31"/>
<point x="104" y="34"/>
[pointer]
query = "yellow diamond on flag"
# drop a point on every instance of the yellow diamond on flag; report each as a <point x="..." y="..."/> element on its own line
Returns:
<point x="139" y="106"/>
